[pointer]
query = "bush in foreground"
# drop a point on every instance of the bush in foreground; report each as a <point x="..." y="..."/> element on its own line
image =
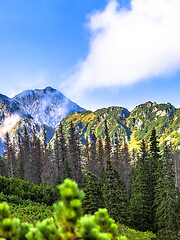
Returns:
<point x="67" y="224"/>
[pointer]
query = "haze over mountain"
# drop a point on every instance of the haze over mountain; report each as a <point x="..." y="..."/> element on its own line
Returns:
<point x="47" y="106"/>
<point x="34" y="108"/>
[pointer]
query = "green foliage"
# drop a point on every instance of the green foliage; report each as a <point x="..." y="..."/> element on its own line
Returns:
<point x="139" y="201"/>
<point x="93" y="199"/>
<point x="26" y="210"/>
<point x="75" y="156"/>
<point x="11" y="228"/>
<point x="31" y="213"/>
<point x="68" y="211"/>
<point x="133" y="126"/>
<point x="154" y="197"/>
<point x="114" y="194"/>
<point x="26" y="190"/>
<point x="132" y="234"/>
<point x="166" y="218"/>
<point x="68" y="224"/>
<point x="88" y="121"/>
<point x="67" y="169"/>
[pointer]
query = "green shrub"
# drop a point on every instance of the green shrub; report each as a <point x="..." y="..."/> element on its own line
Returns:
<point x="68" y="222"/>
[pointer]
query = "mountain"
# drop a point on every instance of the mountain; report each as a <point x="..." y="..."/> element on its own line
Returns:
<point x="130" y="126"/>
<point x="46" y="106"/>
<point x="86" y="122"/>
<point x="10" y="107"/>
<point x="10" y="113"/>
<point x="33" y="108"/>
<point x="13" y="118"/>
<point x="164" y="117"/>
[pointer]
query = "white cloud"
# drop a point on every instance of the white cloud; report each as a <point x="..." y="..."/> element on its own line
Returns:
<point x="8" y="124"/>
<point x="128" y="45"/>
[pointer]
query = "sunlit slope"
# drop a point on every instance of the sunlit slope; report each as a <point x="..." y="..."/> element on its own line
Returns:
<point x="86" y="122"/>
<point x="164" y="117"/>
<point x="130" y="126"/>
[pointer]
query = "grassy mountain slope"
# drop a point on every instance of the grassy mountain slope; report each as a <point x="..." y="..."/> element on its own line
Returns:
<point x="86" y="122"/>
<point x="131" y="126"/>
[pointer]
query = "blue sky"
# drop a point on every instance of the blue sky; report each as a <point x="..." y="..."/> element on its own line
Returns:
<point x="98" y="53"/>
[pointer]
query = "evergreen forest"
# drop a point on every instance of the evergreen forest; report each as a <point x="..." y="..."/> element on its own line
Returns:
<point x="99" y="190"/>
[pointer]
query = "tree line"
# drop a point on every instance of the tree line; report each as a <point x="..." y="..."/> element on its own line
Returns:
<point x="137" y="190"/>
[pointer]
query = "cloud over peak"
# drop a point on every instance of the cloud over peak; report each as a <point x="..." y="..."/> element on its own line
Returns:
<point x="128" y="45"/>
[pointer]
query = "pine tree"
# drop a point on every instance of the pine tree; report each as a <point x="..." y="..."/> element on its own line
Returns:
<point x="114" y="195"/>
<point x="107" y="144"/>
<point x="85" y="154"/>
<point x="67" y="170"/>
<point x="44" y="154"/>
<point x="75" y="156"/>
<point x="2" y="167"/>
<point x="62" y="150"/>
<point x="48" y="174"/>
<point x="139" y="201"/>
<point x="93" y="195"/>
<point x="26" y="155"/>
<point x="92" y="164"/>
<point x="166" y="218"/>
<point x="43" y="144"/>
<point x="100" y="158"/>
<point x="116" y="154"/>
<point x="57" y="152"/>
<point x="153" y="166"/>
<point x="44" y="139"/>
<point x="36" y="163"/>
<point x="154" y="154"/>
<point x="9" y="156"/>
<point x="125" y="166"/>
<point x="20" y="158"/>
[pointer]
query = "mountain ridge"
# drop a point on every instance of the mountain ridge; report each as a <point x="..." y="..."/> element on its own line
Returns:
<point x="131" y="127"/>
<point x="33" y="108"/>
<point x="47" y="106"/>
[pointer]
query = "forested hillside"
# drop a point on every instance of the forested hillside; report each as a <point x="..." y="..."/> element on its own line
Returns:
<point x="126" y="162"/>
<point x="134" y="187"/>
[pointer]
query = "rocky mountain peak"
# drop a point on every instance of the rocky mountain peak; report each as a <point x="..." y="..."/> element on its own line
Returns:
<point x="34" y="108"/>
<point x="49" y="90"/>
<point x="47" y="106"/>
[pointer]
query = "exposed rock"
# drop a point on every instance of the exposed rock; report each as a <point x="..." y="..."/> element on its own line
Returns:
<point x="162" y="113"/>
<point x="149" y="104"/>
<point x="139" y="123"/>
